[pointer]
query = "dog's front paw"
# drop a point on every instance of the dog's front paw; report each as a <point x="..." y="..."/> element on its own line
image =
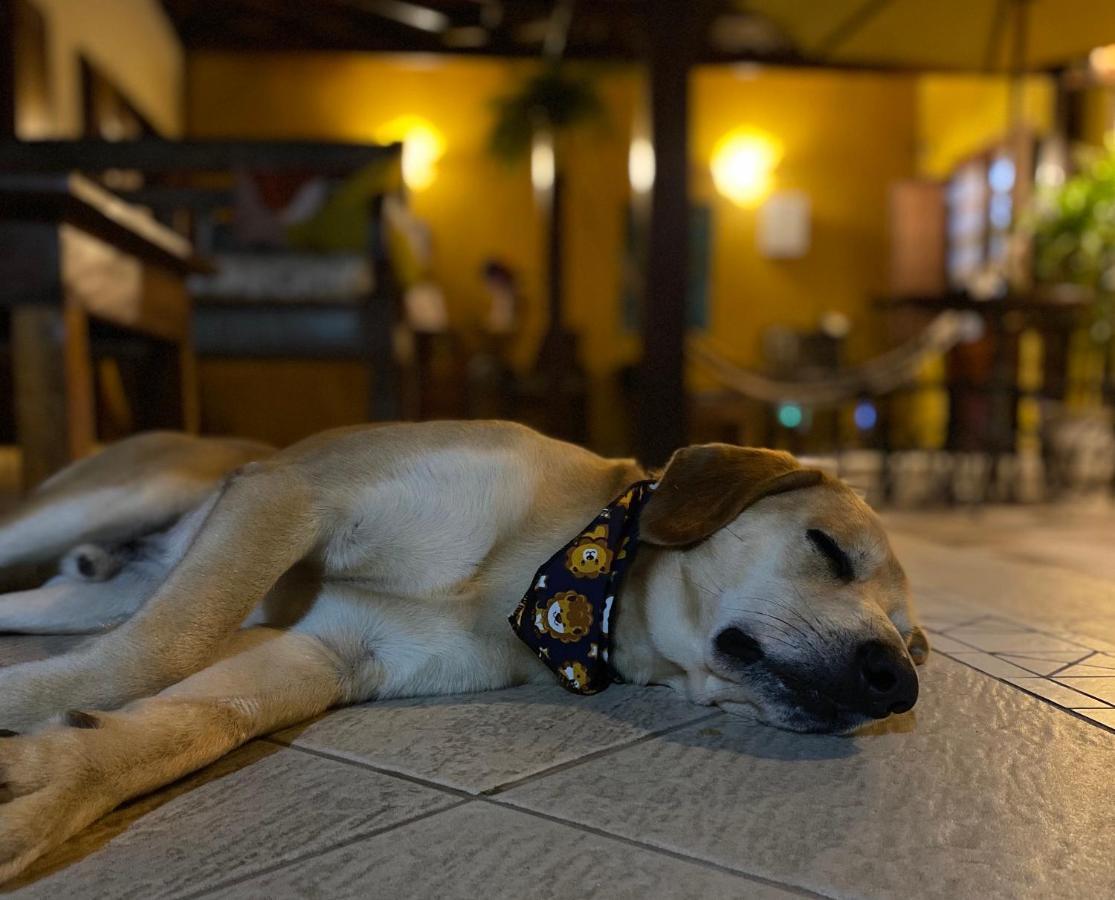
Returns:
<point x="47" y="794"/>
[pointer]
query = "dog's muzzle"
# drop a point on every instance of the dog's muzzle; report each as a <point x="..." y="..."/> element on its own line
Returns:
<point x="875" y="680"/>
<point x="834" y="690"/>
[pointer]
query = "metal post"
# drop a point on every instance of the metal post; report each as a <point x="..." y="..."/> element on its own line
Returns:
<point x="661" y="410"/>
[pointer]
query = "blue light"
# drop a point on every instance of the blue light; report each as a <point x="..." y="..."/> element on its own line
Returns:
<point x="999" y="211"/>
<point x="789" y="415"/>
<point x="1001" y="175"/>
<point x="865" y="416"/>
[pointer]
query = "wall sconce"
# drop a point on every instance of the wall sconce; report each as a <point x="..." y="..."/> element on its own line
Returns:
<point x="542" y="166"/>
<point x="422" y="144"/>
<point x="1102" y="63"/>
<point x="641" y="165"/>
<point x="743" y="165"/>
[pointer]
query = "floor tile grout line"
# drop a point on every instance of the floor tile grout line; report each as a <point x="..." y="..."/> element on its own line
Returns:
<point x="1050" y="677"/>
<point x="997" y="619"/>
<point x="1106" y="703"/>
<point x="1044" y="700"/>
<point x="1028" y="629"/>
<point x="964" y="624"/>
<point x="340" y="845"/>
<point x="651" y="848"/>
<point x="596" y="754"/>
<point x="371" y="767"/>
<point x="1068" y="665"/>
<point x="509" y="807"/>
<point x="499" y="788"/>
<point x="1083" y="661"/>
<point x="1079" y="713"/>
<point x="958" y="640"/>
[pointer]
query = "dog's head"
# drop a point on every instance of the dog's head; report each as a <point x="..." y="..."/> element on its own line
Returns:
<point x="780" y="591"/>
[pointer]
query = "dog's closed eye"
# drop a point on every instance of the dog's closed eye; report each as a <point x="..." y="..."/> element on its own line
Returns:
<point x="839" y="561"/>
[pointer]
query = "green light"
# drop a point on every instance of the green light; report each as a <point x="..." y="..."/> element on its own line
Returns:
<point x="789" y="415"/>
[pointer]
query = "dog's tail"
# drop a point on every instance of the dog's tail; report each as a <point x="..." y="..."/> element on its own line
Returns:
<point x="139" y="485"/>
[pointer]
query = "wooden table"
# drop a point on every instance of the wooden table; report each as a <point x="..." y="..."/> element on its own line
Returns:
<point x="76" y="261"/>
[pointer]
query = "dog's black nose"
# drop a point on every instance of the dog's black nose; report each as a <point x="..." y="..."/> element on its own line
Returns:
<point x="888" y="682"/>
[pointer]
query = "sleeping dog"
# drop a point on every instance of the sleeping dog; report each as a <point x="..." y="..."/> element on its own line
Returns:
<point x="248" y="590"/>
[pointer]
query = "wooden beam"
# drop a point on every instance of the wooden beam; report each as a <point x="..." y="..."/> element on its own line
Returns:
<point x="7" y="69"/>
<point x="848" y="26"/>
<point x="155" y="155"/>
<point x="662" y="413"/>
<point x="77" y="201"/>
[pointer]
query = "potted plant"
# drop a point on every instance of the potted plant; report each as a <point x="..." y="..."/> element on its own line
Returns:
<point x="1073" y="228"/>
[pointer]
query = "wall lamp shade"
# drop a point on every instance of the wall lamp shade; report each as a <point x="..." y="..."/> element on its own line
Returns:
<point x="743" y="164"/>
<point x="542" y="164"/>
<point x="1102" y="63"/>
<point x="640" y="165"/>
<point x="423" y="146"/>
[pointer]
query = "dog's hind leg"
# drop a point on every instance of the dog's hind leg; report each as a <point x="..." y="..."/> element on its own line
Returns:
<point x="131" y="488"/>
<point x="241" y="541"/>
<point x="61" y="778"/>
<point x="98" y="586"/>
<point x="67" y="607"/>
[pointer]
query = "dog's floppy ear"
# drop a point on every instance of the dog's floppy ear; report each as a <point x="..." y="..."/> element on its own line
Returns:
<point x="705" y="487"/>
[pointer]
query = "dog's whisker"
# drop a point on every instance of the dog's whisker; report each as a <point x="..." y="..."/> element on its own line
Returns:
<point x="797" y="612"/>
<point x="728" y="529"/>
<point x="769" y="627"/>
<point x="808" y="636"/>
<point x="783" y="640"/>
<point x="793" y="628"/>
<point x="692" y="583"/>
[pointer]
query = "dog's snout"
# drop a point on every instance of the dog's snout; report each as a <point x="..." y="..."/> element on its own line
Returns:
<point x="887" y="680"/>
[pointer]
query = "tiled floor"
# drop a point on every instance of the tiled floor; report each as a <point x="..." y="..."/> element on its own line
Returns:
<point x="1000" y="784"/>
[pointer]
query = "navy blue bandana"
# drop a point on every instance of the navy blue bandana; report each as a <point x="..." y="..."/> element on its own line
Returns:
<point x="567" y="615"/>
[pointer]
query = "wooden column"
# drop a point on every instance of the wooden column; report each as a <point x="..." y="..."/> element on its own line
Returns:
<point x="53" y="380"/>
<point x="7" y="70"/>
<point x="662" y="414"/>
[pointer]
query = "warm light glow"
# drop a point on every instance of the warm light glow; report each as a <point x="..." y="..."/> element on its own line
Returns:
<point x="542" y="162"/>
<point x="422" y="144"/>
<point x="640" y="165"/>
<point x="743" y="166"/>
<point x="1102" y="61"/>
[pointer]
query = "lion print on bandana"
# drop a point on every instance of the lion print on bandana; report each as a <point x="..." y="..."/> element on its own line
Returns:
<point x="590" y="557"/>
<point x="566" y="617"/>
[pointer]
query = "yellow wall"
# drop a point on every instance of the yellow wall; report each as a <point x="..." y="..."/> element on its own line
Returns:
<point x="961" y="115"/>
<point x="845" y="137"/>
<point x="130" y="41"/>
<point x="476" y="207"/>
<point x="1099" y="114"/>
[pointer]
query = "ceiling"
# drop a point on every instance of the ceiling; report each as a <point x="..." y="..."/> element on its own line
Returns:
<point x="589" y="29"/>
<point x="967" y="35"/>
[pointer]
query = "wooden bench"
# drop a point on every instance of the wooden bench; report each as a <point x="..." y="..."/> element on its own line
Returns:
<point x="79" y="264"/>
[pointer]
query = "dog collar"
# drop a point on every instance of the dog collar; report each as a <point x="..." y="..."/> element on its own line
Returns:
<point x="566" y="616"/>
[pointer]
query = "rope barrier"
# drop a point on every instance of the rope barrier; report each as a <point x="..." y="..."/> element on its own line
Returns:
<point x="881" y="375"/>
